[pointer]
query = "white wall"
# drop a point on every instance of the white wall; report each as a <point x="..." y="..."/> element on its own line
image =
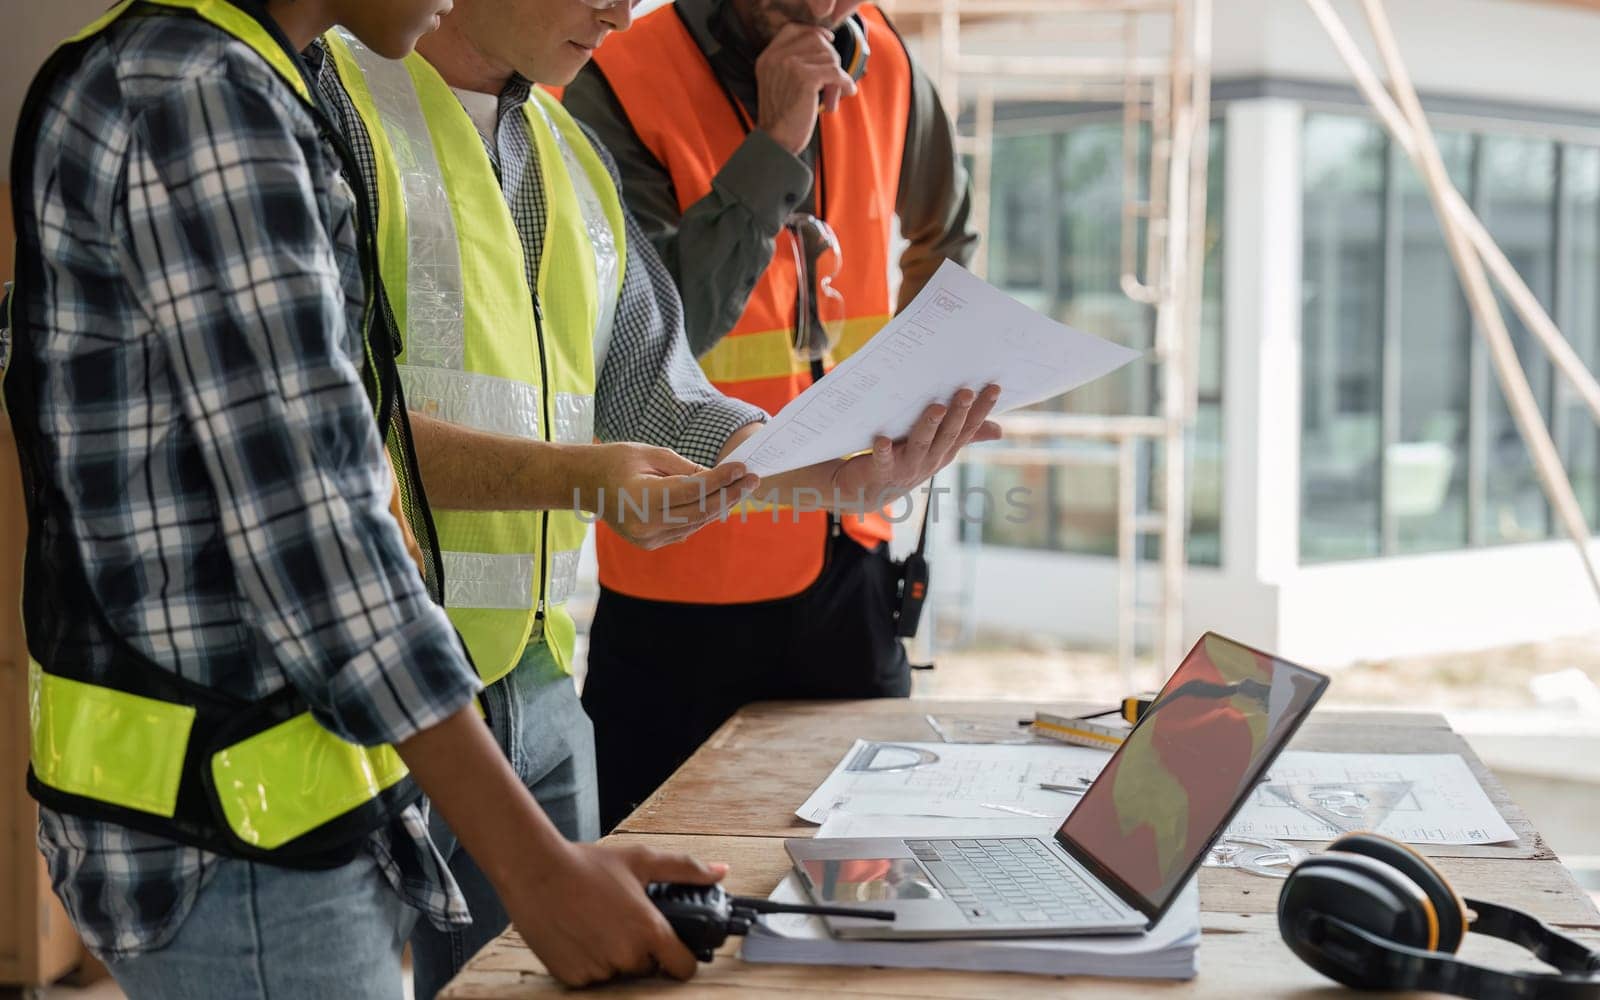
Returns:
<point x="1502" y="50"/>
<point x="1454" y="601"/>
<point x="1073" y="598"/>
<point x="1495" y="49"/>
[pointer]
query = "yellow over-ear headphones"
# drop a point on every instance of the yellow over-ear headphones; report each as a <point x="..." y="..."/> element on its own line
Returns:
<point x="1374" y="914"/>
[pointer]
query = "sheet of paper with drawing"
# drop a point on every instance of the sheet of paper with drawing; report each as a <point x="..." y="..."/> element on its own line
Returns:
<point x="959" y="780"/>
<point x="1417" y="798"/>
<point x="959" y="332"/>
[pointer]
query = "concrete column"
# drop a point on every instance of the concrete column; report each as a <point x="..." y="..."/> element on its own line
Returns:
<point x="1261" y="408"/>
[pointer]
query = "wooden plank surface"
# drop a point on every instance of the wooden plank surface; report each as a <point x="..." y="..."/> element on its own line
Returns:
<point x="748" y="779"/>
<point x="1240" y="955"/>
<point x="1547" y="888"/>
<point x="734" y="800"/>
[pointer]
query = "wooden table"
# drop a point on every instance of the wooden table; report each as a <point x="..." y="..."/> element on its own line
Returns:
<point x="734" y="801"/>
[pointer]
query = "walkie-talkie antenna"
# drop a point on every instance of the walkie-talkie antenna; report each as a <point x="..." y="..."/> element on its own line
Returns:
<point x="704" y="916"/>
<point x="768" y="906"/>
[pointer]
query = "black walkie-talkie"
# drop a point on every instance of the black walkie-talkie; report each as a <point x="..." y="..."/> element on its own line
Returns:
<point x="850" y="41"/>
<point x="704" y="916"/>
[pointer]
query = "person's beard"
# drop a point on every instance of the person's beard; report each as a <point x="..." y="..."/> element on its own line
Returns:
<point x="772" y="15"/>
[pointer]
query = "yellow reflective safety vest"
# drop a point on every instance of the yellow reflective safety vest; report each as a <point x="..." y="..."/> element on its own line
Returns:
<point x="480" y="350"/>
<point x="115" y="736"/>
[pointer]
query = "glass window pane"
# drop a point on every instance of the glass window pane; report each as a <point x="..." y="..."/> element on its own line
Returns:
<point x="1425" y="470"/>
<point x="1020" y="254"/>
<point x="1205" y="487"/>
<point x="1341" y="337"/>
<point x="1517" y="203"/>
<point x="1055" y="243"/>
<point x="1091" y="296"/>
<point x="1083" y="499"/>
<point x="1580" y="319"/>
<point x="1205" y="441"/>
<point x="1015" y="515"/>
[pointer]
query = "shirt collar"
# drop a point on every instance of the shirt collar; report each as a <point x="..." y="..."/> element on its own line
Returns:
<point x="515" y="94"/>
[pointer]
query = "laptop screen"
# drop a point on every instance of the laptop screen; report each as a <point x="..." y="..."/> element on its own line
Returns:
<point x="1148" y="820"/>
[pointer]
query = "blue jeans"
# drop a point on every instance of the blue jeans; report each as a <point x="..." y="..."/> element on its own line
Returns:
<point x="537" y="720"/>
<point x="263" y="933"/>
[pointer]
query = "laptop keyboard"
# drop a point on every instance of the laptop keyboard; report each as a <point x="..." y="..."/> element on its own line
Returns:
<point x="1011" y="881"/>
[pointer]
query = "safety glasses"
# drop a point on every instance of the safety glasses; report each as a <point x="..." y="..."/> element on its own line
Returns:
<point x="819" y="308"/>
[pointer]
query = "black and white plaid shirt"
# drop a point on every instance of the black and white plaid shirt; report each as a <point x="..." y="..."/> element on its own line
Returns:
<point x="204" y="425"/>
<point x="650" y="389"/>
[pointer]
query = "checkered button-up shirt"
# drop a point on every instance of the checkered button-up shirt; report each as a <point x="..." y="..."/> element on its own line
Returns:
<point x="205" y="434"/>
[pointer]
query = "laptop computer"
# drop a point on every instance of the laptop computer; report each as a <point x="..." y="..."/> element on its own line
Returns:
<point x="1123" y="853"/>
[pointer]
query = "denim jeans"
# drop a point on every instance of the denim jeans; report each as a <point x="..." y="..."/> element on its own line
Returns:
<point x="258" y="932"/>
<point x="539" y="724"/>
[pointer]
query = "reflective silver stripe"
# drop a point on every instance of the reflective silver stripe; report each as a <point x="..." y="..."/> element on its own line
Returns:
<point x="435" y="307"/>
<point x="563" y="576"/>
<point x="574" y="418"/>
<point x="469" y="399"/>
<point x="498" y="582"/>
<point x="495" y="404"/>
<point x="607" y="273"/>
<point x="484" y="580"/>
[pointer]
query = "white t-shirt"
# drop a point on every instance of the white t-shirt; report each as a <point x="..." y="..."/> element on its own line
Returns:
<point x="483" y="109"/>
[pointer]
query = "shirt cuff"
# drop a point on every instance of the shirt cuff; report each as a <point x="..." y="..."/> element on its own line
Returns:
<point x="411" y="679"/>
<point x="708" y="429"/>
<point x="765" y="178"/>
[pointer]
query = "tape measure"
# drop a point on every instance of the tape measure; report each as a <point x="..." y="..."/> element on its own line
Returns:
<point x="1086" y="731"/>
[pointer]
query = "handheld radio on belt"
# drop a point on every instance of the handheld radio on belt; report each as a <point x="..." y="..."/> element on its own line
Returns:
<point x="913" y="583"/>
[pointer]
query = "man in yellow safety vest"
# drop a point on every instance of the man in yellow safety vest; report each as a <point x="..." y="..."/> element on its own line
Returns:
<point x="534" y="318"/>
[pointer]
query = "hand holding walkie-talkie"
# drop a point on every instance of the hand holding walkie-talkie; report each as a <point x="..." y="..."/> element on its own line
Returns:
<point x="704" y="916"/>
<point x="805" y="69"/>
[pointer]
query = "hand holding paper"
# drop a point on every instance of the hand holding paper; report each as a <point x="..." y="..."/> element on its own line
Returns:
<point x="892" y="468"/>
<point x="958" y="333"/>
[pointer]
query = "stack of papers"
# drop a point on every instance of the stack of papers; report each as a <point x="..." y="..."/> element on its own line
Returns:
<point x="1167" y="951"/>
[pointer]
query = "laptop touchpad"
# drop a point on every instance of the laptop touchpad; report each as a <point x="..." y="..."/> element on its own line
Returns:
<point x="869" y="880"/>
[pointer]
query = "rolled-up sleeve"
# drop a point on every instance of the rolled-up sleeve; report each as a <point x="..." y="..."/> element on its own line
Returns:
<point x="227" y="235"/>
<point x="650" y="387"/>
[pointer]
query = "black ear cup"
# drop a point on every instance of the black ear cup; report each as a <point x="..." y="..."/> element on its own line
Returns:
<point x="1447" y="906"/>
<point x="1373" y="914"/>
<point x="1328" y="894"/>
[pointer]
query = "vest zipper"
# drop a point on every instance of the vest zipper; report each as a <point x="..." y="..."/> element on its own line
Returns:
<point x="544" y="516"/>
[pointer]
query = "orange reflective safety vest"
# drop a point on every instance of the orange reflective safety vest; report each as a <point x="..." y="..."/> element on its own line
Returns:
<point x="683" y="115"/>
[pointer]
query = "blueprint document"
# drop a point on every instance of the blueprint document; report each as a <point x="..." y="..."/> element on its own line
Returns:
<point x="959" y="780"/>
<point x="959" y="332"/>
<point x="1414" y="797"/>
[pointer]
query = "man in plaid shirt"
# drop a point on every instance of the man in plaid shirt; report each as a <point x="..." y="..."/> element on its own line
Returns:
<point x="200" y="451"/>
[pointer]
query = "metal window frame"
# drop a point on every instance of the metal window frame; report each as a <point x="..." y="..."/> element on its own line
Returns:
<point x="1479" y="389"/>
